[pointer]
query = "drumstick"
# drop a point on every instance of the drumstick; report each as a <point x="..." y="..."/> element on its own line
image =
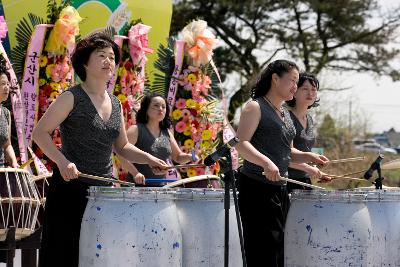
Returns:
<point x="300" y="183"/>
<point x="344" y="177"/>
<point x="104" y="179"/>
<point x="186" y="166"/>
<point x="23" y="165"/>
<point x="346" y="160"/>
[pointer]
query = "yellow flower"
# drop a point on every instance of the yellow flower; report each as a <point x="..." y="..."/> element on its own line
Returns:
<point x="205" y="145"/>
<point x="206" y="135"/>
<point x="189" y="143"/>
<point x="176" y="114"/>
<point x="54" y="94"/>
<point x="122" y="98"/>
<point x="43" y="61"/>
<point x="190" y="103"/>
<point x="49" y="69"/>
<point x="188" y="131"/>
<point x="191" y="172"/>
<point x="42" y="82"/>
<point x="55" y="86"/>
<point x="192" y="78"/>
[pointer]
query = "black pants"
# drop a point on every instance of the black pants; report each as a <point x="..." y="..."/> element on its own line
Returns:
<point x="65" y="205"/>
<point x="263" y="210"/>
<point x="292" y="186"/>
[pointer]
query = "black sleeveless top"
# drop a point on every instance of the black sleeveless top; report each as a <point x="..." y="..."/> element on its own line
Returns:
<point x="159" y="147"/>
<point x="303" y="141"/>
<point x="273" y="138"/>
<point x="86" y="139"/>
<point x="4" y="119"/>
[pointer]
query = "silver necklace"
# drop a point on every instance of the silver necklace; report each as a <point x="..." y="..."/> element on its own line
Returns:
<point x="280" y="111"/>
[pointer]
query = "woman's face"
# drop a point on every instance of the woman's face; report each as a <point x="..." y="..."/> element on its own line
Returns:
<point x="101" y="64"/>
<point x="286" y="85"/>
<point x="4" y="87"/>
<point x="157" y="109"/>
<point x="306" y="94"/>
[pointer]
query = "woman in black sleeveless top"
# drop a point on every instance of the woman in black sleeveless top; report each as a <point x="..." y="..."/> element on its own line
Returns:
<point x="91" y="125"/>
<point x="151" y="134"/>
<point x="6" y="149"/>
<point x="304" y="99"/>
<point x="266" y="133"/>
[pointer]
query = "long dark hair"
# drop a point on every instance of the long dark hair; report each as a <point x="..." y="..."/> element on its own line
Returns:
<point x="303" y="77"/>
<point x="141" y="115"/>
<point x="263" y="84"/>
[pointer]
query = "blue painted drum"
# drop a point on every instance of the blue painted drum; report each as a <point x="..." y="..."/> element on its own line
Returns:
<point x="130" y="227"/>
<point x="201" y="216"/>
<point x="343" y="228"/>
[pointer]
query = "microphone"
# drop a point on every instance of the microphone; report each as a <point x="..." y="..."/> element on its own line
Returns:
<point x="220" y="152"/>
<point x="374" y="166"/>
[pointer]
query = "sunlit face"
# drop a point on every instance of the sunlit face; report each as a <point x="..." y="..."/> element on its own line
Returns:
<point x="286" y="85"/>
<point x="306" y="94"/>
<point x="157" y="109"/>
<point x="4" y="87"/>
<point x="101" y="64"/>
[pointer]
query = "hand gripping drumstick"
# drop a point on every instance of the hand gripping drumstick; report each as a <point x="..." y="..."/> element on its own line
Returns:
<point x="300" y="183"/>
<point x="186" y="166"/>
<point x="104" y="179"/>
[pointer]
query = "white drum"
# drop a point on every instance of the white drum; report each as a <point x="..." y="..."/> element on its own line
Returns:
<point x="130" y="227"/>
<point x="202" y="218"/>
<point x="343" y="228"/>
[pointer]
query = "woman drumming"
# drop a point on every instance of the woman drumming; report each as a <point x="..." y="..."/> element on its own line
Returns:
<point x="304" y="99"/>
<point x="266" y="133"/>
<point x="151" y="134"/>
<point x="91" y="125"/>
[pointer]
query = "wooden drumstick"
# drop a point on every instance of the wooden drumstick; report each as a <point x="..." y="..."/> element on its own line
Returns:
<point x="23" y="165"/>
<point x="104" y="179"/>
<point x="186" y="166"/>
<point x="346" y="160"/>
<point x="300" y="183"/>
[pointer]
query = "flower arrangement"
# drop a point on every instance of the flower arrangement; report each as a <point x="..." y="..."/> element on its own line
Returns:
<point x="196" y="117"/>
<point x="130" y="81"/>
<point x="55" y="68"/>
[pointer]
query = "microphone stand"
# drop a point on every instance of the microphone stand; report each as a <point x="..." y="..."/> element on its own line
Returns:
<point x="228" y="177"/>
<point x="378" y="181"/>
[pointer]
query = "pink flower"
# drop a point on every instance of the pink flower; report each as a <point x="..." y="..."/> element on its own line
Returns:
<point x="180" y="127"/>
<point x="200" y="170"/>
<point x="3" y="27"/>
<point x="185" y="113"/>
<point x="180" y="103"/>
<point x="196" y="137"/>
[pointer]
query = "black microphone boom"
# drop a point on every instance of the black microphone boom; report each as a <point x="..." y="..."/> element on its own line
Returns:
<point x="220" y="152"/>
<point x="374" y="166"/>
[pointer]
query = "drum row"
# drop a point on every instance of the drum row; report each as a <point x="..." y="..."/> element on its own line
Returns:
<point x="156" y="227"/>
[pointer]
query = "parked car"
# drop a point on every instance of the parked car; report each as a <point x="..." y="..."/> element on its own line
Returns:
<point x="375" y="147"/>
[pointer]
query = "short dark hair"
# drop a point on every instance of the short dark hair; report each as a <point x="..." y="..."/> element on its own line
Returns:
<point x="86" y="46"/>
<point x="303" y="77"/>
<point x="141" y="115"/>
<point x="263" y="84"/>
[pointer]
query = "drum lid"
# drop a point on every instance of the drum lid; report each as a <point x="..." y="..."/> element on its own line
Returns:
<point x="201" y="194"/>
<point x="131" y="193"/>
<point x="345" y="195"/>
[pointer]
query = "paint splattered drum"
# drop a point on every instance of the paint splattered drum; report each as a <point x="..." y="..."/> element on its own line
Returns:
<point x="343" y="228"/>
<point x="19" y="203"/>
<point x="156" y="227"/>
